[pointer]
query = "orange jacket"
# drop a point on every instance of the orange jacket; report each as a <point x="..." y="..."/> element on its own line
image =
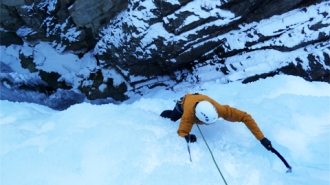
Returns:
<point x="224" y="111"/>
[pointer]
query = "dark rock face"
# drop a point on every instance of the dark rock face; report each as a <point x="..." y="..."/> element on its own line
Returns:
<point x="152" y="42"/>
<point x="54" y="21"/>
<point x="8" y="38"/>
<point x="51" y="78"/>
<point x="101" y="90"/>
<point x="183" y="42"/>
<point x="94" y="14"/>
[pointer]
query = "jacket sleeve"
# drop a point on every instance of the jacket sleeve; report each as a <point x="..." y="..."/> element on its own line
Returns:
<point x="185" y="126"/>
<point x="232" y="114"/>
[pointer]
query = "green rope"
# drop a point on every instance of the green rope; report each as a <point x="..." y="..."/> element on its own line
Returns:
<point x="212" y="155"/>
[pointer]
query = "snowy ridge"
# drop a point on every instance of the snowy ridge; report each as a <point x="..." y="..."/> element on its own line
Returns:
<point x="271" y="43"/>
<point x="106" y="144"/>
<point x="248" y="64"/>
<point x="263" y="60"/>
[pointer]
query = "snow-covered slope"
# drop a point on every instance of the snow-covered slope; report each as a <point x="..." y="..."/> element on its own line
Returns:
<point x="130" y="144"/>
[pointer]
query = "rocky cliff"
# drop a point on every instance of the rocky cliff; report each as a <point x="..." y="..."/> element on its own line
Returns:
<point x="164" y="42"/>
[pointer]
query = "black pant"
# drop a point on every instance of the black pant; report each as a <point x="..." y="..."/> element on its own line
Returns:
<point x="174" y="114"/>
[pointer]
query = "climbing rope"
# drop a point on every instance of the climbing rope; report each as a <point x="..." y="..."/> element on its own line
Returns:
<point x="212" y="155"/>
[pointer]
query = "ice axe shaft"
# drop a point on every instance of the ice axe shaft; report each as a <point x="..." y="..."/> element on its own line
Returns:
<point x="189" y="151"/>
<point x="283" y="160"/>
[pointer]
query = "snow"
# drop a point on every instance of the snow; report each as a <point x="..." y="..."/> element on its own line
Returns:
<point x="102" y="87"/>
<point x="111" y="73"/>
<point x="44" y="58"/>
<point x="153" y="32"/>
<point x="50" y="5"/>
<point x="25" y="31"/>
<point x="10" y="57"/>
<point x="71" y="34"/>
<point x="131" y="144"/>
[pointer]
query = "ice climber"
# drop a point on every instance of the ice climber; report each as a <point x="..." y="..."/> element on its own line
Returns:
<point x="201" y="109"/>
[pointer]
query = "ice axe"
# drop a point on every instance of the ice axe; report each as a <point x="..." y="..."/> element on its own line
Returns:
<point x="282" y="158"/>
<point x="189" y="151"/>
<point x="190" y="138"/>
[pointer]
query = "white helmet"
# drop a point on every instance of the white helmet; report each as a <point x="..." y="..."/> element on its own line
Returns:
<point x="206" y="112"/>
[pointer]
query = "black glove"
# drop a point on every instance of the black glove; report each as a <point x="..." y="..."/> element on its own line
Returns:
<point x="267" y="144"/>
<point x="190" y="138"/>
